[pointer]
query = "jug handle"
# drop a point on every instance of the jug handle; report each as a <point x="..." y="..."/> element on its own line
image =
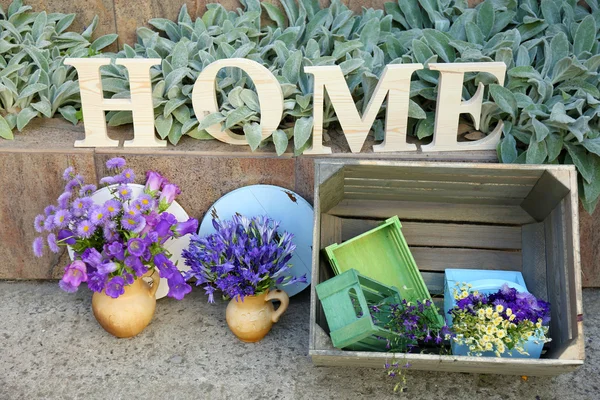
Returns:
<point x="155" y="282"/>
<point x="283" y="298"/>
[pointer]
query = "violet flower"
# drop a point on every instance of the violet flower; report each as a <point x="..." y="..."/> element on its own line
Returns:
<point x="189" y="226"/>
<point x="75" y="273"/>
<point x="154" y="181"/>
<point x="115" y="287"/>
<point x="115" y="163"/>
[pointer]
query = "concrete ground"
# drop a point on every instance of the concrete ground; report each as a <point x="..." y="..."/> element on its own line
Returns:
<point x="51" y="347"/>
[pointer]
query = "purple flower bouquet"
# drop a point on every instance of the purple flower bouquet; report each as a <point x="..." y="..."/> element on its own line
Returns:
<point x="245" y="257"/>
<point x="116" y="242"/>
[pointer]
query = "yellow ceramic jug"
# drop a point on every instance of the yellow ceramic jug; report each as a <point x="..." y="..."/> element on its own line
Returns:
<point x="131" y="312"/>
<point x="251" y="319"/>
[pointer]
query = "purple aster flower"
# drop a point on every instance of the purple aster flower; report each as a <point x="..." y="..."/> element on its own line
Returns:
<point x="75" y="273"/>
<point x="68" y="174"/>
<point x="66" y="236"/>
<point x="50" y="210"/>
<point x="74" y="183"/>
<point x="109" y="231"/>
<point x="127" y="176"/>
<point x="62" y="218"/>
<point x="116" y="250"/>
<point x="96" y="282"/>
<point x="49" y="223"/>
<point x="167" y="195"/>
<point x="108" y="180"/>
<point x="81" y="205"/>
<point x="136" y="246"/>
<point x="106" y="267"/>
<point x="115" y="163"/>
<point x="92" y="257"/>
<point x="115" y="287"/>
<point x="98" y="215"/>
<point x="190" y="226"/>
<point x="112" y="207"/>
<point x="154" y="181"/>
<point x="86" y="229"/>
<point x="136" y="265"/>
<point x="38" y="223"/>
<point x="178" y="288"/>
<point x="133" y="223"/>
<point x="87" y="190"/>
<point x="67" y="287"/>
<point x="124" y="192"/>
<point x="52" y="245"/>
<point x="38" y="247"/>
<point x="63" y="200"/>
<point x="144" y="202"/>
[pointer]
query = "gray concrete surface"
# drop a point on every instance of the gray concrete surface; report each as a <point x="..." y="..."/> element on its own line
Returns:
<point x="52" y="348"/>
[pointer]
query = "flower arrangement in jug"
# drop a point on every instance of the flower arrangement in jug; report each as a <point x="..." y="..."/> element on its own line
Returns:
<point x="244" y="257"/>
<point x="500" y="321"/>
<point x="116" y="242"/>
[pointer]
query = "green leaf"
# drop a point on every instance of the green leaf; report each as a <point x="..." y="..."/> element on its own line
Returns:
<point x="25" y="115"/>
<point x="440" y="44"/>
<point x="370" y="34"/>
<point x="302" y="131"/>
<point x="550" y="12"/>
<point x="593" y="146"/>
<point x="541" y="130"/>
<point x="504" y="98"/>
<point x="30" y="90"/>
<point x="250" y="98"/>
<point x="38" y="25"/>
<point x="253" y="135"/>
<point x="5" y="131"/>
<point x="210" y="120"/>
<point x="351" y="65"/>
<point x="291" y="68"/>
<point x="321" y="19"/>
<point x="281" y="141"/>
<point x="485" y="18"/>
<point x="163" y="125"/>
<point x="415" y="110"/>
<point x="554" y="145"/>
<point x="536" y="152"/>
<point x="104" y="41"/>
<point x="579" y="157"/>
<point x="121" y="118"/>
<point x="591" y="190"/>
<point x="175" y="133"/>
<point x="425" y="126"/>
<point x="585" y="36"/>
<point x="560" y="48"/>
<point x="69" y="113"/>
<point x="175" y="77"/>
<point x="275" y="14"/>
<point x="173" y="104"/>
<point x="179" y="56"/>
<point x="508" y="148"/>
<point x="65" y="22"/>
<point x="44" y="107"/>
<point x="559" y="114"/>
<point x="474" y="34"/>
<point x="237" y="116"/>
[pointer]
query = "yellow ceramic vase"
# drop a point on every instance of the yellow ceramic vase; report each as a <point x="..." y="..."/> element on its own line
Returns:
<point x="251" y="319"/>
<point x="130" y="313"/>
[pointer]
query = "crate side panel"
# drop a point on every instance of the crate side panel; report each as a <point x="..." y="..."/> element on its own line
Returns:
<point x="409" y="210"/>
<point x="453" y="198"/>
<point x="546" y="195"/>
<point x="534" y="259"/>
<point x="439" y="258"/>
<point x="444" y="234"/>
<point x="331" y="191"/>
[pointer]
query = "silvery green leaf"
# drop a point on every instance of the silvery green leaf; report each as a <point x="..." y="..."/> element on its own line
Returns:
<point x="163" y="125"/>
<point x="129" y="51"/>
<point x="321" y="19"/>
<point x="440" y="44"/>
<point x="536" y="152"/>
<point x="237" y="116"/>
<point x="579" y="156"/>
<point x="522" y="57"/>
<point x="114" y="85"/>
<point x="31" y="90"/>
<point x="210" y="120"/>
<point x="580" y="127"/>
<point x="280" y="140"/>
<point x="485" y="18"/>
<point x="393" y="9"/>
<point x="24" y="116"/>
<point x="253" y="135"/>
<point x="304" y="101"/>
<point x="179" y="56"/>
<point x="351" y="65"/>
<point x="171" y="105"/>
<point x="579" y="84"/>
<point x="200" y="134"/>
<point x="591" y="191"/>
<point x="425" y="126"/>
<point x="369" y="36"/>
<point x="559" y="114"/>
<point x="38" y="26"/>
<point x="508" y="147"/>
<point x="504" y="98"/>
<point x="175" y="77"/>
<point x="412" y="13"/>
<point x="89" y="31"/>
<point x="302" y="131"/>
<point x="541" y="130"/>
<point x="59" y="76"/>
<point x="421" y="51"/>
<point x="530" y="30"/>
<point x="250" y="98"/>
<point x="235" y="98"/>
<point x="585" y="36"/>
<point x="415" y="110"/>
<point x="505" y="55"/>
<point x="560" y="48"/>
<point x="592" y="145"/>
<point x="554" y="145"/>
<point x="69" y="113"/>
<point x="64" y="23"/>
<point x="340" y="49"/>
<point x="121" y="118"/>
<point x="275" y="14"/>
<point x="291" y="68"/>
<point x="175" y="133"/>
<point x="5" y="131"/>
<point x="550" y="11"/>
<point x="43" y="106"/>
<point x="188" y="125"/>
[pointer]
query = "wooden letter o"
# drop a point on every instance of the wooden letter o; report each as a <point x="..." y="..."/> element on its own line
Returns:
<point x="270" y="96"/>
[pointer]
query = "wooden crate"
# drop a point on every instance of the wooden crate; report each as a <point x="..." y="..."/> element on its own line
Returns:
<point x="454" y="215"/>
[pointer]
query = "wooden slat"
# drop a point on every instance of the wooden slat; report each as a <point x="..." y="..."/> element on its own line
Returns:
<point x="545" y="196"/>
<point x="446" y="235"/>
<point x="428" y="196"/>
<point x="431" y="362"/>
<point x="534" y="259"/>
<point x="439" y="259"/>
<point x="494" y="214"/>
<point x="331" y="191"/>
<point x="434" y="282"/>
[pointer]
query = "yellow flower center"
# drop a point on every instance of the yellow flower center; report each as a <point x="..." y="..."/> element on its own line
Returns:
<point x="111" y="209"/>
<point x="100" y="216"/>
<point x="86" y="228"/>
<point x="145" y="201"/>
<point x="124" y="192"/>
<point x="130" y="221"/>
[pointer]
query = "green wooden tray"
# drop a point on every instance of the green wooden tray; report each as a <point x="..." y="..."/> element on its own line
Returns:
<point x="382" y="254"/>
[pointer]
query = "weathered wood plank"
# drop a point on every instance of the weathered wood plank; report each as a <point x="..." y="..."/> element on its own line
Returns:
<point x="438" y="259"/>
<point x="428" y="197"/>
<point x="428" y="362"/>
<point x="331" y="191"/>
<point x="545" y="196"/>
<point x="444" y="234"/>
<point x="407" y="210"/>
<point x="434" y="282"/>
<point x="534" y="259"/>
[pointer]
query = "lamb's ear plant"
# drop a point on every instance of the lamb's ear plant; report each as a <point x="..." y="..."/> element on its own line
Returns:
<point x="34" y="81"/>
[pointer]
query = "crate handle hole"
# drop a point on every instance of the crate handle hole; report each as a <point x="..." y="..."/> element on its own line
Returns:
<point x="355" y="303"/>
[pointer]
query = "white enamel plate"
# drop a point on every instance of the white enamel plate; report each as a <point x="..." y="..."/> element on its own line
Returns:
<point x="293" y="212"/>
<point x="175" y="246"/>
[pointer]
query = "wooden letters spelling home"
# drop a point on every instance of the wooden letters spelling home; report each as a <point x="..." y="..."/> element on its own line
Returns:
<point x="394" y="85"/>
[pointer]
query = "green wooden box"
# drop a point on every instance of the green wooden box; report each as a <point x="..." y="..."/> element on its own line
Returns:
<point x="459" y="215"/>
<point x="346" y="301"/>
<point x="382" y="254"/>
